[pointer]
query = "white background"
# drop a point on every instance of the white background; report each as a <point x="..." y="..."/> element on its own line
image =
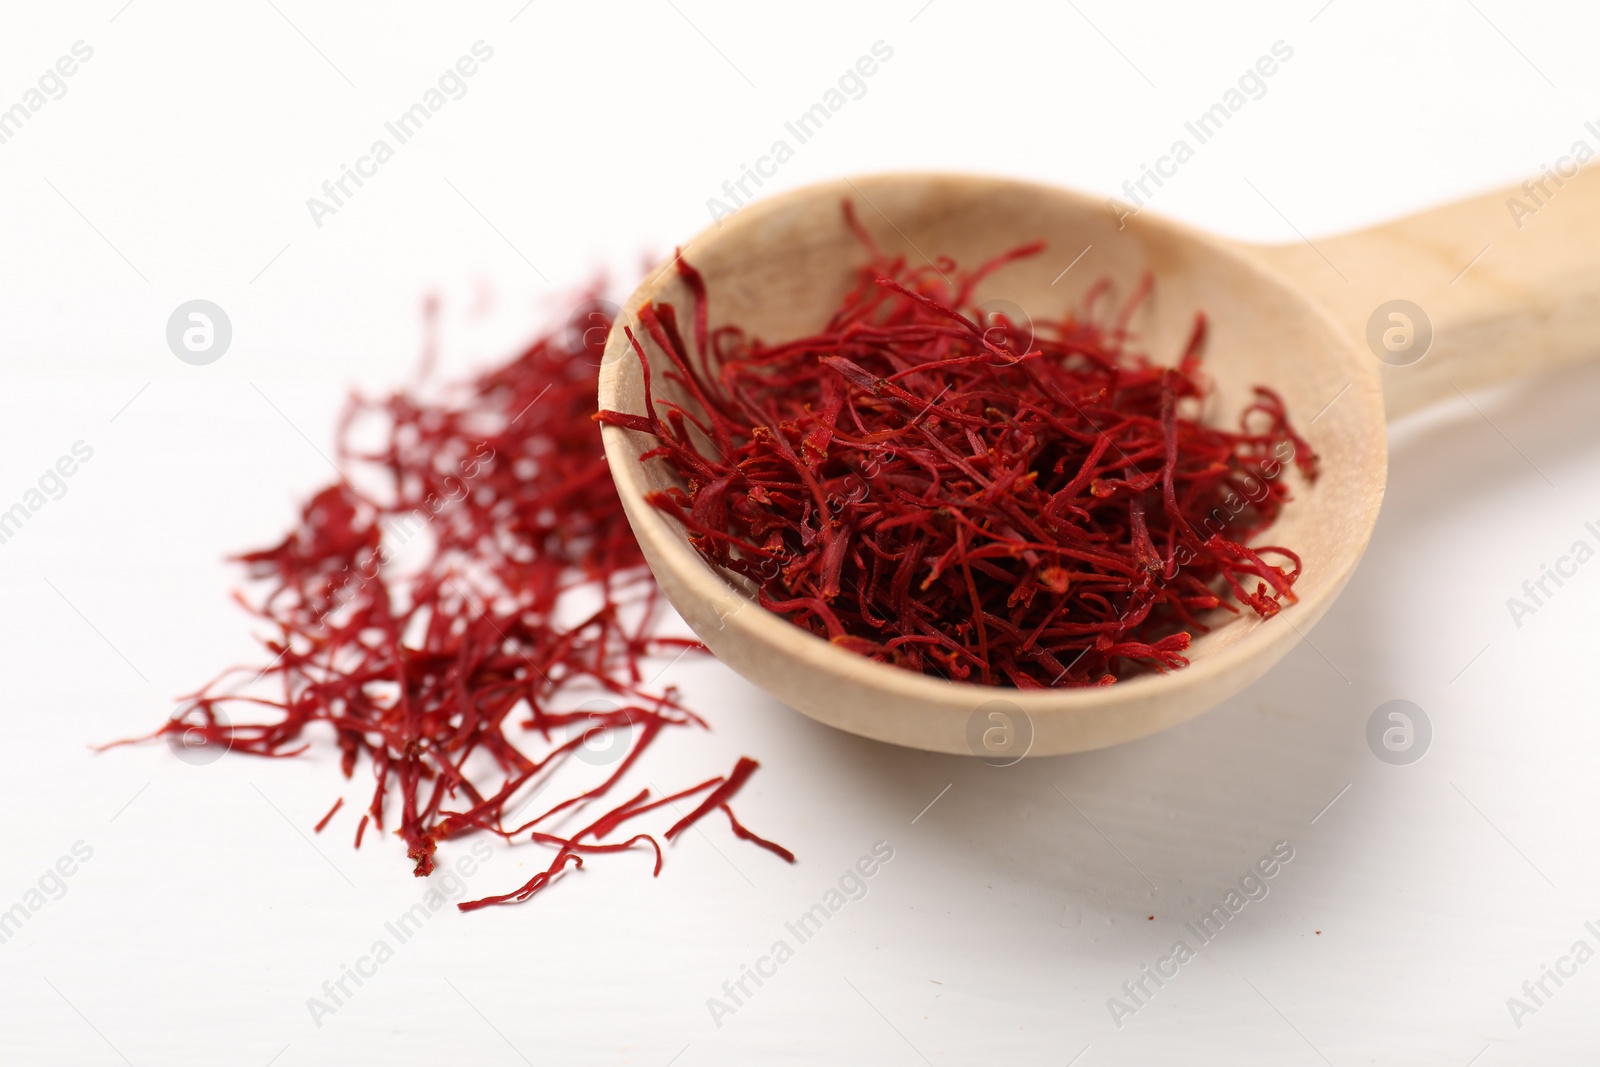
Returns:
<point x="177" y="166"/>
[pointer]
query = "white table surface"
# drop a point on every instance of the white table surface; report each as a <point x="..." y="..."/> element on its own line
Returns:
<point x="177" y="166"/>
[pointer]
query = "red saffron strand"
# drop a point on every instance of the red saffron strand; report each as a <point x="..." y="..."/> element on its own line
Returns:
<point x="337" y="804"/>
<point x="718" y="796"/>
<point x="432" y="673"/>
<point x="939" y="488"/>
<point x="741" y="832"/>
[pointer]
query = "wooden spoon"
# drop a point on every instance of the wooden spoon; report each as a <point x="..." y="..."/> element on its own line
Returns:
<point x="1491" y="293"/>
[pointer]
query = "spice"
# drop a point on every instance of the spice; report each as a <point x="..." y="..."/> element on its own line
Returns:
<point x="922" y="483"/>
<point x="337" y="804"/>
<point x="531" y="595"/>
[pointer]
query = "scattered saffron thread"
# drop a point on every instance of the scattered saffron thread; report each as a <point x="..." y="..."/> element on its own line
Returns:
<point x="531" y="595"/>
<point x="337" y="804"/>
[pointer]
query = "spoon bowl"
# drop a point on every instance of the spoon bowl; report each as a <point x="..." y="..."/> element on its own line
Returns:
<point x="779" y="267"/>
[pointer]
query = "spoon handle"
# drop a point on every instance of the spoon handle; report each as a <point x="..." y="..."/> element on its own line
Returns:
<point x="1500" y="285"/>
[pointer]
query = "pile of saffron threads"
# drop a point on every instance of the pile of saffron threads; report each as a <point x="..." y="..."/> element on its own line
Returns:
<point x="532" y="594"/>
<point x="948" y="491"/>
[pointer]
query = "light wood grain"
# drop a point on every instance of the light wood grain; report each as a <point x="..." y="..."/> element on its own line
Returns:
<point x="1510" y="281"/>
